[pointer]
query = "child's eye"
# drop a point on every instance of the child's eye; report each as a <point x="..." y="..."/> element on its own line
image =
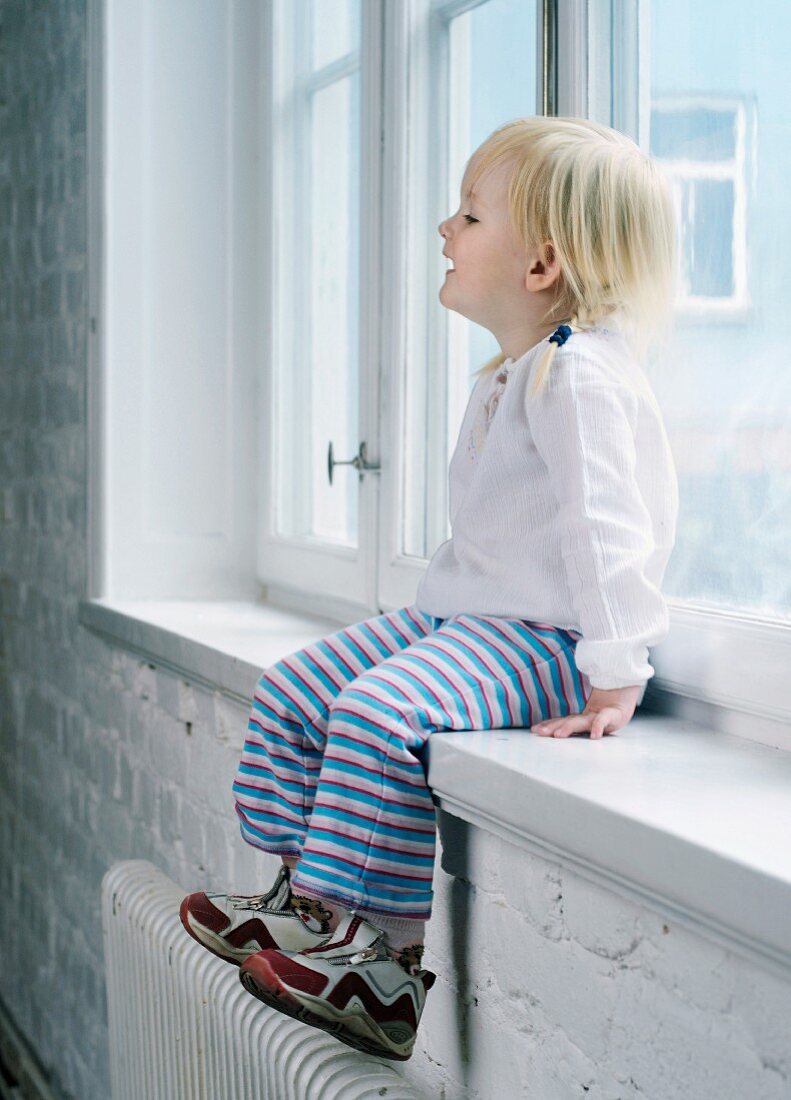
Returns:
<point x="470" y="218"/>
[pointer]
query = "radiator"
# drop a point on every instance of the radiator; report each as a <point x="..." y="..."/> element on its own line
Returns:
<point x="182" y="1027"/>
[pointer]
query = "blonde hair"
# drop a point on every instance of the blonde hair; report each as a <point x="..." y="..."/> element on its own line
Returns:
<point x="606" y="208"/>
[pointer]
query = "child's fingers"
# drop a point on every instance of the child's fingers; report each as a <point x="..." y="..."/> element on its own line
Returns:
<point x="576" y="723"/>
<point x="561" y="727"/>
<point x="608" y="720"/>
<point x="543" y="729"/>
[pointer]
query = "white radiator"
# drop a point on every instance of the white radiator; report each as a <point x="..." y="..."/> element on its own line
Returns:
<point x="182" y="1027"/>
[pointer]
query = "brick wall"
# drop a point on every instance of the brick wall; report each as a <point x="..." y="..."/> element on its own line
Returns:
<point x="549" y="987"/>
<point x="97" y="761"/>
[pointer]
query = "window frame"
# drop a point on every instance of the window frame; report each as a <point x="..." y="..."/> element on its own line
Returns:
<point x="347" y="574"/>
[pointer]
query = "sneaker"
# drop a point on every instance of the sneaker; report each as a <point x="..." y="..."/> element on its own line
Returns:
<point x="349" y="986"/>
<point x="234" y="926"/>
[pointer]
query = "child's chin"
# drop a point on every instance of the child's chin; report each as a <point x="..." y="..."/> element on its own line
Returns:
<point x="444" y="290"/>
<point x="453" y="307"/>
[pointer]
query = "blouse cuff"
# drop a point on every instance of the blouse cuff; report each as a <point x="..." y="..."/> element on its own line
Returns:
<point x="613" y="664"/>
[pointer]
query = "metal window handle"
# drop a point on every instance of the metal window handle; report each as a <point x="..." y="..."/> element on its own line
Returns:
<point x="360" y="462"/>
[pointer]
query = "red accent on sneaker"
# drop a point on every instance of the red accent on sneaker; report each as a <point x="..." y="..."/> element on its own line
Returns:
<point x="287" y="969"/>
<point x="203" y="910"/>
<point x="254" y="929"/>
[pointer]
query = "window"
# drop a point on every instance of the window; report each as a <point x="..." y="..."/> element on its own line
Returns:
<point x="718" y="123"/>
<point x="272" y="181"/>
<point x="480" y="71"/>
<point x="358" y="330"/>
<point x="705" y="88"/>
<point x="703" y="144"/>
<point x="316" y="267"/>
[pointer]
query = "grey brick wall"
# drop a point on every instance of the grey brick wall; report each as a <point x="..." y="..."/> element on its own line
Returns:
<point x="94" y="743"/>
<point x="51" y="974"/>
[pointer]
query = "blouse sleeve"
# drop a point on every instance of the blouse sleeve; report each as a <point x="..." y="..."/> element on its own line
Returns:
<point x="582" y="428"/>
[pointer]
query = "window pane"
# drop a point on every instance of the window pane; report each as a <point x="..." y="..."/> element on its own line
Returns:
<point x="335" y="29"/>
<point x="693" y="134"/>
<point x="483" y="68"/>
<point x="720" y="121"/>
<point x="710" y="230"/>
<point x="317" y="267"/>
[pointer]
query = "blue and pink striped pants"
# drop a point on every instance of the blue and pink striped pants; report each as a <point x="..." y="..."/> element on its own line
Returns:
<point x="331" y="769"/>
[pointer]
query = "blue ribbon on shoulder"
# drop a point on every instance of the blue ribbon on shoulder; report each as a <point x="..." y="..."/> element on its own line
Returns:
<point x="560" y="335"/>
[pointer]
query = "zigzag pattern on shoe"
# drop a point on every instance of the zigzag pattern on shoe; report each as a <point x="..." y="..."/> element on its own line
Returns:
<point x="235" y="926"/>
<point x="349" y="986"/>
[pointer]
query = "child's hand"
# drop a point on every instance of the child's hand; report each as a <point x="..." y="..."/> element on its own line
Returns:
<point x="606" y="711"/>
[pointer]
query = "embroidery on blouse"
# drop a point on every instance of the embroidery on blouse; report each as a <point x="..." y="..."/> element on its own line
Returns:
<point x="476" y="440"/>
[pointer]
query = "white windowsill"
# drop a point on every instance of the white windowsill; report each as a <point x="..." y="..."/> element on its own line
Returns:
<point x="668" y="812"/>
<point x="223" y="645"/>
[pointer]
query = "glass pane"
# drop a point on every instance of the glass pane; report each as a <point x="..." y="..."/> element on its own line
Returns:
<point x="318" y="380"/>
<point x="483" y="65"/>
<point x="710" y="232"/>
<point x="721" y="123"/>
<point x="696" y="134"/>
<point x="335" y="26"/>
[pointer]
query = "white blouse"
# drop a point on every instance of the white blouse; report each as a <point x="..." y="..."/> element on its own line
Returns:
<point x="563" y="506"/>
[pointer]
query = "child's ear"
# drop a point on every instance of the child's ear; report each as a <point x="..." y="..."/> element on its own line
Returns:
<point x="543" y="268"/>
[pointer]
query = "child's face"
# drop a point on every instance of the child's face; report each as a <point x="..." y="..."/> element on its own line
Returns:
<point x="495" y="281"/>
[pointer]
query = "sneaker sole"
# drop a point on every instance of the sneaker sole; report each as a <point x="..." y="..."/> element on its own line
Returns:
<point x="352" y="1028"/>
<point x="210" y="940"/>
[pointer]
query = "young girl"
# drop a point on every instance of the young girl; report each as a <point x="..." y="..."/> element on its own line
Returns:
<point x="537" y="613"/>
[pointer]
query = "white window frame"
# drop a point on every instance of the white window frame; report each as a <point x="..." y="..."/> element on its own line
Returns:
<point x="347" y="575"/>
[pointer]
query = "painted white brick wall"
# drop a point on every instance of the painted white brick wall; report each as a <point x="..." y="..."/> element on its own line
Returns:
<point x="548" y="988"/>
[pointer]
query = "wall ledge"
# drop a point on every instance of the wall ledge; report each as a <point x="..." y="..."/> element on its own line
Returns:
<point x="686" y="819"/>
<point x="223" y="645"/>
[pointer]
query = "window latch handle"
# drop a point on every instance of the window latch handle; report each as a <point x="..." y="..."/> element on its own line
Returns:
<point x="360" y="462"/>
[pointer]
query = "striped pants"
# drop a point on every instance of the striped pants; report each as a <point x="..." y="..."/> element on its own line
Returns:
<point x="331" y="769"/>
